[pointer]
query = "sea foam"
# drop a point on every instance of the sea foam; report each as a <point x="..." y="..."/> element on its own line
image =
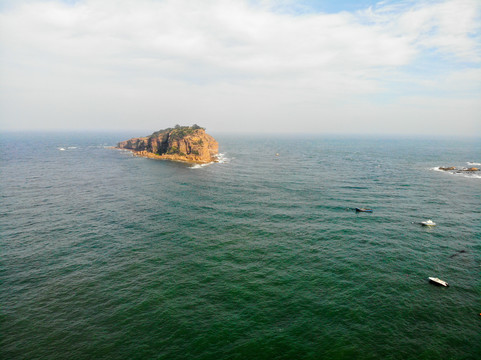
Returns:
<point x="220" y="159"/>
<point x="200" y="166"/>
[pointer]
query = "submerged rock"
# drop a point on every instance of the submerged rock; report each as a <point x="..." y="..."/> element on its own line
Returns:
<point x="182" y="143"/>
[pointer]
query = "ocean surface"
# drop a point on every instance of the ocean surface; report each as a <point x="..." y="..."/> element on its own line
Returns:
<point x="109" y="256"/>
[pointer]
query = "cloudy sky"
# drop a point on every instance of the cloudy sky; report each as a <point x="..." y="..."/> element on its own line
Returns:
<point x="320" y="66"/>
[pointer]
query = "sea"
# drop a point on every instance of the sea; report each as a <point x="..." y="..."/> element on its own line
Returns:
<point x="105" y="255"/>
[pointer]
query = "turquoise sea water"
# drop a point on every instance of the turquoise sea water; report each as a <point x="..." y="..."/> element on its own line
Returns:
<point x="109" y="256"/>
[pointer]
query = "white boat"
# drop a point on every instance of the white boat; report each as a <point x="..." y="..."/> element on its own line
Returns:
<point x="438" y="281"/>
<point x="428" y="223"/>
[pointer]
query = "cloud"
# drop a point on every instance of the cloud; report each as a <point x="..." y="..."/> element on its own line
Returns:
<point x="102" y="63"/>
<point x="450" y="27"/>
<point x="226" y="34"/>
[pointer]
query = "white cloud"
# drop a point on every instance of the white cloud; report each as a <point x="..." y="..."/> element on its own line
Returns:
<point x="451" y="27"/>
<point x="102" y="63"/>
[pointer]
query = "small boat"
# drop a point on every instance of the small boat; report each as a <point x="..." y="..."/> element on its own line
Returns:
<point x="363" y="210"/>
<point x="437" y="281"/>
<point x="428" y="223"/>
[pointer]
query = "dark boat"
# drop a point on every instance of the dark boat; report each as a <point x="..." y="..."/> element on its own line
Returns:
<point x="363" y="210"/>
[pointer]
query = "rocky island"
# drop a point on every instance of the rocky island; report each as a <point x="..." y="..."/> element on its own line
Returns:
<point x="453" y="168"/>
<point x="181" y="143"/>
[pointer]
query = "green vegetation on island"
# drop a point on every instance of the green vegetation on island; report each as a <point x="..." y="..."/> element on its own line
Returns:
<point x="178" y="132"/>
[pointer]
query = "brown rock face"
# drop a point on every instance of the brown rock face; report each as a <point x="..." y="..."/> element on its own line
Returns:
<point x="183" y="143"/>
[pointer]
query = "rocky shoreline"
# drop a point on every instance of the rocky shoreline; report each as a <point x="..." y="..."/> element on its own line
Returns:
<point x="177" y="158"/>
<point x="453" y="168"/>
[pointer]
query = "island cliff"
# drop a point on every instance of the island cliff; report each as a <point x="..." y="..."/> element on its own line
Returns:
<point x="182" y="143"/>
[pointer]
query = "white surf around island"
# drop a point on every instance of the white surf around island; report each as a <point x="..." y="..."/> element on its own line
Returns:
<point x="220" y="159"/>
<point x="460" y="172"/>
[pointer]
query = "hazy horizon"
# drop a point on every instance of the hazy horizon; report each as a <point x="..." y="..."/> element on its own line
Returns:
<point x="242" y="66"/>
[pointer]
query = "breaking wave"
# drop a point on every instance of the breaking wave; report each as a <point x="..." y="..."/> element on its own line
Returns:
<point x="221" y="159"/>
<point x="200" y="166"/>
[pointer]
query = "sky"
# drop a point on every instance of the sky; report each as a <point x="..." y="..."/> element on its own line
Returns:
<point x="257" y="66"/>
